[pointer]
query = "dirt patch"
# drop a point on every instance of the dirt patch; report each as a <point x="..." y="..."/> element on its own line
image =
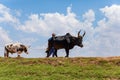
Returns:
<point x="62" y="61"/>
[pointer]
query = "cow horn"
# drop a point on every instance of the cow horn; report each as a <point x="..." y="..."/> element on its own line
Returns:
<point x="84" y="34"/>
<point x="79" y="33"/>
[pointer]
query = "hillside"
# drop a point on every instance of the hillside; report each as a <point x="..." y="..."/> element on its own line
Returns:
<point x="81" y="68"/>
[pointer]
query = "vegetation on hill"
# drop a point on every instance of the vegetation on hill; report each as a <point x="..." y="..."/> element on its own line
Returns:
<point x="60" y="68"/>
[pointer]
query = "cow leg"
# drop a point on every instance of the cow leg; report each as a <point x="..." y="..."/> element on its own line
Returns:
<point x="18" y="53"/>
<point x="6" y="54"/>
<point x="55" y="53"/>
<point x="18" y="56"/>
<point x="67" y="52"/>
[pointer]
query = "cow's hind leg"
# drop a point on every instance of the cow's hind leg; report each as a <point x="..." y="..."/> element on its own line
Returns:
<point x="67" y="52"/>
<point x="6" y="54"/>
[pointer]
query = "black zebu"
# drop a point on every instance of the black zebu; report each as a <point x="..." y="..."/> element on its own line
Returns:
<point x="66" y="42"/>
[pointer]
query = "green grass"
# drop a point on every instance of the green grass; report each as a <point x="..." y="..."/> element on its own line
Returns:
<point x="60" y="68"/>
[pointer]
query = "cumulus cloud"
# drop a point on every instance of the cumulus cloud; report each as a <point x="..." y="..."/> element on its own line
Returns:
<point x="4" y="37"/>
<point x="89" y="16"/>
<point x="110" y="23"/>
<point x="46" y="23"/>
<point x="7" y="17"/>
<point x="112" y="12"/>
<point x="106" y="35"/>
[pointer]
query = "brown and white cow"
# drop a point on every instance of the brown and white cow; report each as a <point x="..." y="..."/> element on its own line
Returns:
<point x="15" y="48"/>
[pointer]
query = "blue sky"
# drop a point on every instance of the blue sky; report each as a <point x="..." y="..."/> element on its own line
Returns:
<point x="32" y="23"/>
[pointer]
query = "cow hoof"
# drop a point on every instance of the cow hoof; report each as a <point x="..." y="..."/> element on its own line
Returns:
<point x="47" y="56"/>
<point x="18" y="55"/>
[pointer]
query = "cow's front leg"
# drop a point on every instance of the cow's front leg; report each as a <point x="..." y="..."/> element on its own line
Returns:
<point x="67" y="52"/>
<point x="56" y="53"/>
<point x="18" y="54"/>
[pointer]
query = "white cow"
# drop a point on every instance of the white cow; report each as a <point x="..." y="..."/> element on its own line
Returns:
<point x="15" y="48"/>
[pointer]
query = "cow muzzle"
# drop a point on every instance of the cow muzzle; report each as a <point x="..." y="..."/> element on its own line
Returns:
<point x="81" y="45"/>
<point x="26" y="52"/>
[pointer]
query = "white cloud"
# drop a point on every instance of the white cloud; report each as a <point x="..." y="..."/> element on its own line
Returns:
<point x="89" y="16"/>
<point x="112" y="13"/>
<point x="109" y="27"/>
<point x="106" y="34"/>
<point x="8" y="19"/>
<point x="104" y="40"/>
<point x="48" y="23"/>
<point x="6" y="16"/>
<point x="4" y="37"/>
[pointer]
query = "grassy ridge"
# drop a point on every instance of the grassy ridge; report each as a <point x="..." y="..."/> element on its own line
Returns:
<point x="60" y="68"/>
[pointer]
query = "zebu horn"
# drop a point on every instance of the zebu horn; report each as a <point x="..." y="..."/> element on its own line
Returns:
<point x="79" y="33"/>
<point x="84" y="34"/>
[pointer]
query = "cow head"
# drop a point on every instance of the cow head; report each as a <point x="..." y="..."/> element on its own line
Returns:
<point x="23" y="48"/>
<point x="80" y="39"/>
